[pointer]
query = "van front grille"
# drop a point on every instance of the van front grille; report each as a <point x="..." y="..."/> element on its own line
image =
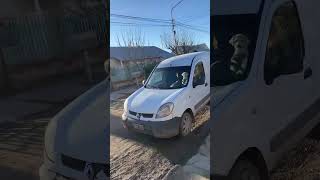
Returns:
<point x="145" y="115"/>
<point x="132" y="113"/>
<point x="73" y="163"/>
<point x="79" y="165"/>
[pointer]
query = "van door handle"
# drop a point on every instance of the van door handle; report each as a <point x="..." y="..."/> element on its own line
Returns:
<point x="307" y="73"/>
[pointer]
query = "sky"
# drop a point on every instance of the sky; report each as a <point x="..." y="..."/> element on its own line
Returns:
<point x="189" y="12"/>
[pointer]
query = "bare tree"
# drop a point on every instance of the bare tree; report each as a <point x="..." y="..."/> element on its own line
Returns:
<point x="181" y="44"/>
<point x="133" y="39"/>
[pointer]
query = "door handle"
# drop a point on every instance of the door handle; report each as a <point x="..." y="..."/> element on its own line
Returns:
<point x="307" y="73"/>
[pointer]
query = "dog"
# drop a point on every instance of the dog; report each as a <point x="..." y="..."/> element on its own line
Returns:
<point x="239" y="60"/>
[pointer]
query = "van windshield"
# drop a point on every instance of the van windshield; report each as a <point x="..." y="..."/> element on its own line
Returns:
<point x="234" y="43"/>
<point x="169" y="78"/>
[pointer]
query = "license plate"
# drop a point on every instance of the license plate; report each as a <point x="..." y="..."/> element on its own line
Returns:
<point x="138" y="126"/>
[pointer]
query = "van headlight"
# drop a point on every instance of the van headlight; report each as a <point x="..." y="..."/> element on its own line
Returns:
<point x="125" y="106"/>
<point x="49" y="141"/>
<point x="165" y="110"/>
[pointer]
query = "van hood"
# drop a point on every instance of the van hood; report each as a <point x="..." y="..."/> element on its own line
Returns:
<point x="219" y="93"/>
<point x="150" y="100"/>
<point x="81" y="129"/>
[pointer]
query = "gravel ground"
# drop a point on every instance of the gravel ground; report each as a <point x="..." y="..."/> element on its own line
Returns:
<point x="301" y="163"/>
<point x="132" y="160"/>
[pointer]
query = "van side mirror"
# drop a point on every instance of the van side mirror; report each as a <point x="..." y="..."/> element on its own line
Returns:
<point x="143" y="82"/>
<point x="195" y="84"/>
<point x="270" y="75"/>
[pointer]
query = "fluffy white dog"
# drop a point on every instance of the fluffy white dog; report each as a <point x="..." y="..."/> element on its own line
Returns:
<point x="239" y="60"/>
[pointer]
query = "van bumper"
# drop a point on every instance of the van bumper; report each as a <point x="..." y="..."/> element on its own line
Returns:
<point x="159" y="129"/>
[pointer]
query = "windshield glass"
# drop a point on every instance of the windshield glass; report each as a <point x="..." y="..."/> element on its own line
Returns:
<point x="234" y="42"/>
<point x="169" y="78"/>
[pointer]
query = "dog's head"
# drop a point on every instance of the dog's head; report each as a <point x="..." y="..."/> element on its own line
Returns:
<point x="239" y="41"/>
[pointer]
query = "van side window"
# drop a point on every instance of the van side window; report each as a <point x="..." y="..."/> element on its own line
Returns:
<point x="285" y="48"/>
<point x="199" y="76"/>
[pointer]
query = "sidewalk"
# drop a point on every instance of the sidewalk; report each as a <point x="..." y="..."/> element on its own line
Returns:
<point x="197" y="168"/>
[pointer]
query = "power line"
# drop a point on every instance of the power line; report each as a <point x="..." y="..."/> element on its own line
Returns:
<point x="140" y="18"/>
<point x="156" y="22"/>
<point x="137" y="24"/>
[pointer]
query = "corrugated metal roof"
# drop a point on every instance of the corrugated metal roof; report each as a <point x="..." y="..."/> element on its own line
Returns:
<point x="138" y="53"/>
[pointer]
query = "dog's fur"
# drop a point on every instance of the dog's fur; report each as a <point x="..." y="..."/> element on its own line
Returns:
<point x="239" y="60"/>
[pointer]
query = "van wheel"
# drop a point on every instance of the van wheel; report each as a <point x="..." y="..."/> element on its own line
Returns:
<point x="186" y="124"/>
<point x="245" y="170"/>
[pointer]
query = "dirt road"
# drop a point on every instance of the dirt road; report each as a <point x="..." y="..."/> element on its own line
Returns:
<point x="22" y="139"/>
<point x="139" y="156"/>
<point x="21" y="145"/>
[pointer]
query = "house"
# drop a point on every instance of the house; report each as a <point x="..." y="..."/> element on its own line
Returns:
<point x="128" y="65"/>
<point x="121" y="57"/>
<point x="193" y="48"/>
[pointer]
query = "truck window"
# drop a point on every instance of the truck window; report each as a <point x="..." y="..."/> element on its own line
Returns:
<point x="199" y="76"/>
<point x="234" y="41"/>
<point x="285" y="47"/>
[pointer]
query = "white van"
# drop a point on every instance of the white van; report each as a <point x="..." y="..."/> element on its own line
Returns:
<point x="265" y="83"/>
<point x="77" y="139"/>
<point x="174" y="92"/>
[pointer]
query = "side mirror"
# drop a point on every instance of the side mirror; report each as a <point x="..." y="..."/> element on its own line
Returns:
<point x="143" y="82"/>
<point x="271" y="75"/>
<point x="195" y="84"/>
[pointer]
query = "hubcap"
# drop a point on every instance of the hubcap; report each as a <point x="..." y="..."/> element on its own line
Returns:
<point x="186" y="125"/>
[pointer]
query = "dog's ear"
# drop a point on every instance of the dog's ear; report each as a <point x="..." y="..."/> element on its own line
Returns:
<point x="232" y="40"/>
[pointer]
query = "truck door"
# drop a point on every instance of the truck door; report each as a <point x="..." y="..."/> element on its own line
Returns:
<point x="285" y="89"/>
<point x="200" y="86"/>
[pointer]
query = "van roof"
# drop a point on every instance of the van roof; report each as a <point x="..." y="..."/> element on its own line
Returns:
<point x="228" y="7"/>
<point x="181" y="60"/>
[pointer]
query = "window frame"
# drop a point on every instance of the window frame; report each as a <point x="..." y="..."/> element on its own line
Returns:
<point x="301" y="39"/>
<point x="193" y="82"/>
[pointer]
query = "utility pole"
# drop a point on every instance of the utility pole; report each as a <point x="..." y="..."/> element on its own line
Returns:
<point x="173" y="24"/>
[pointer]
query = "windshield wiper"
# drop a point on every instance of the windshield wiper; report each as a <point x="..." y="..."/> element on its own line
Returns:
<point x="152" y="87"/>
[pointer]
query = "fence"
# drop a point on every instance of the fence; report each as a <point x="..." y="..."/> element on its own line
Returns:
<point x="131" y="72"/>
<point x="40" y="36"/>
<point x="126" y="73"/>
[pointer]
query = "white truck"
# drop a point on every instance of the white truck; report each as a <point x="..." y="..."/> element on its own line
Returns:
<point x="265" y="83"/>
<point x="174" y="92"/>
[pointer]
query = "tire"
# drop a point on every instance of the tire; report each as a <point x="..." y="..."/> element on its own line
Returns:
<point x="245" y="170"/>
<point x="185" y="124"/>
